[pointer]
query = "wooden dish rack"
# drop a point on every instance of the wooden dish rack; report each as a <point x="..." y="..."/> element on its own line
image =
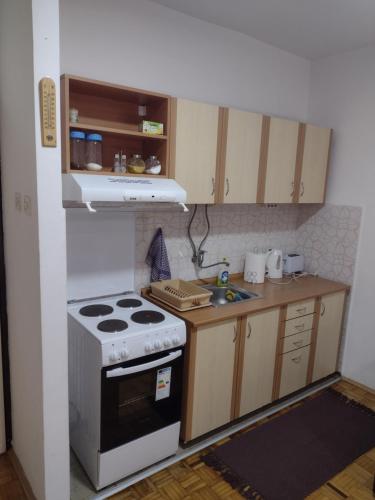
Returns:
<point x="180" y="294"/>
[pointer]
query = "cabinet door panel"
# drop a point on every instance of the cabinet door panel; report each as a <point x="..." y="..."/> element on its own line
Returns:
<point x="259" y="360"/>
<point x="329" y="332"/>
<point x="213" y="377"/>
<point x="196" y="149"/>
<point x="281" y="161"/>
<point x="314" y="164"/>
<point x="242" y="156"/>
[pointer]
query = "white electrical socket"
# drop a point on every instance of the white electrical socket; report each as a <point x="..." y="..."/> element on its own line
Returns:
<point x="27" y="204"/>
<point x="18" y="201"/>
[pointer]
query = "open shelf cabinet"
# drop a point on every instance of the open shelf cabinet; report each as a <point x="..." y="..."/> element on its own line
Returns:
<point x="112" y="111"/>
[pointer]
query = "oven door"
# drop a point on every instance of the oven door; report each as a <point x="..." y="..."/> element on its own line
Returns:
<point x="139" y="397"/>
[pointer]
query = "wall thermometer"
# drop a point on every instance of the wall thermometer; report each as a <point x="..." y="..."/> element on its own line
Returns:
<point x="47" y="96"/>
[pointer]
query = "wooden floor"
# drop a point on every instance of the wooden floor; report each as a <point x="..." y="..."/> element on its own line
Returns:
<point x="191" y="479"/>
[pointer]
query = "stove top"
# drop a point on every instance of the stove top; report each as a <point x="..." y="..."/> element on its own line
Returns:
<point x="120" y="316"/>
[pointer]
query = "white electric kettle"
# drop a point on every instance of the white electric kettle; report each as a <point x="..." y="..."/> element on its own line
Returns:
<point x="274" y="264"/>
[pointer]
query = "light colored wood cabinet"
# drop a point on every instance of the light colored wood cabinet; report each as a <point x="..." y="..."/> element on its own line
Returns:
<point x="294" y="371"/>
<point x="280" y="165"/>
<point x="241" y="148"/>
<point x="328" y="335"/>
<point x="195" y="149"/>
<point x="213" y="377"/>
<point x="259" y="351"/>
<point x="314" y="164"/>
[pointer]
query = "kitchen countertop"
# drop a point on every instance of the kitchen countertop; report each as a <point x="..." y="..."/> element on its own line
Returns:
<point x="272" y="296"/>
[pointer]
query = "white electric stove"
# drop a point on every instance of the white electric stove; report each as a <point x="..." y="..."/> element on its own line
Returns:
<point x="125" y="355"/>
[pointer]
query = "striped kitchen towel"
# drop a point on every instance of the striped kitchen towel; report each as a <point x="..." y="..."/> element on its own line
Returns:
<point x="157" y="258"/>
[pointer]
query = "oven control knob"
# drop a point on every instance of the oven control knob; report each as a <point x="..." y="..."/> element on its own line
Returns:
<point x="157" y="344"/>
<point x="124" y="354"/>
<point x="113" y="356"/>
<point x="148" y="347"/>
<point x="167" y="343"/>
<point x="175" y="340"/>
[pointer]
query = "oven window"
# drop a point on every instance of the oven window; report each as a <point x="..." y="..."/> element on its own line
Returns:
<point x="130" y="408"/>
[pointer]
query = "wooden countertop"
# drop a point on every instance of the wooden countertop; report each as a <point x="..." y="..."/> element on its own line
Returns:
<point x="272" y="296"/>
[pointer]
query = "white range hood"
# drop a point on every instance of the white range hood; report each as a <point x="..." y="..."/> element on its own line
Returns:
<point x="91" y="188"/>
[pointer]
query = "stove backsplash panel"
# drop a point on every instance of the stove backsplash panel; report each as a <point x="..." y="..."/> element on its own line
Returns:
<point x="327" y="236"/>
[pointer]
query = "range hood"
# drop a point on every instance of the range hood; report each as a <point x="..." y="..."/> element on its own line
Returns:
<point x="91" y="188"/>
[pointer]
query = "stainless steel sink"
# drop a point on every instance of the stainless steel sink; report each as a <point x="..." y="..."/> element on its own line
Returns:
<point x="219" y="294"/>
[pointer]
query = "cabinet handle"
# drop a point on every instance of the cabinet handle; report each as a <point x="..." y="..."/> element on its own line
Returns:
<point x="227" y="183"/>
<point x="249" y="328"/>
<point x="302" y="189"/>
<point x="235" y="334"/>
<point x="297" y="359"/>
<point x="299" y="327"/>
<point x="213" y="186"/>
<point x="292" y="193"/>
<point x="301" y="310"/>
<point x="298" y="343"/>
<point x="323" y="309"/>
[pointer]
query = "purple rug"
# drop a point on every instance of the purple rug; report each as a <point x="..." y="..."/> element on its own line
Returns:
<point x="296" y="453"/>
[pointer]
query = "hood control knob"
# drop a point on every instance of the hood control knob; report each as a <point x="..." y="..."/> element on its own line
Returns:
<point x="124" y="353"/>
<point x="148" y="347"/>
<point x="157" y="344"/>
<point x="175" y="340"/>
<point x="167" y="343"/>
<point x="113" y="356"/>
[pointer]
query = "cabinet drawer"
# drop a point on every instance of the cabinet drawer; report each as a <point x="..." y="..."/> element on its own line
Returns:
<point x="300" y="309"/>
<point x="296" y="341"/>
<point x="298" y="325"/>
<point x="294" y="370"/>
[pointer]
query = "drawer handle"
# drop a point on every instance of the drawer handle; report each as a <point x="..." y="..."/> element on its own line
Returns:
<point x="298" y="343"/>
<point x="227" y="183"/>
<point x="301" y="310"/>
<point x="235" y="334"/>
<point x="323" y="309"/>
<point x="302" y="189"/>
<point x="249" y="328"/>
<point x="299" y="327"/>
<point x="297" y="359"/>
<point x="213" y="186"/>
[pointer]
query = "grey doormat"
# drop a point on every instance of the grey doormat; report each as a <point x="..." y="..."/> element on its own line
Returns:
<point x="296" y="453"/>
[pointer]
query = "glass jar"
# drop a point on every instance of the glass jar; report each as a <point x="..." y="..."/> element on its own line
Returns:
<point x="136" y="165"/>
<point x="77" y="149"/>
<point x="153" y="165"/>
<point x="94" y="149"/>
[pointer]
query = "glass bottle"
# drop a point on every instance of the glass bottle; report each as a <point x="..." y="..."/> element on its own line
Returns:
<point x="136" y="165"/>
<point x="77" y="149"/>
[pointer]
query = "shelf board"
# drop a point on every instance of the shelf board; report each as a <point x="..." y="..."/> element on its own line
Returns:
<point x="113" y="128"/>
<point x="108" y="171"/>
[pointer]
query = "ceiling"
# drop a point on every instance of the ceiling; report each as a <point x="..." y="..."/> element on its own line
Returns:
<point x="308" y="28"/>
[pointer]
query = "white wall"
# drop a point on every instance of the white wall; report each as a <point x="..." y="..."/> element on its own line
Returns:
<point x="143" y="44"/>
<point x="343" y="97"/>
<point x="34" y="249"/>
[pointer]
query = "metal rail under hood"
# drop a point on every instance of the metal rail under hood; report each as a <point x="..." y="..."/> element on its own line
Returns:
<point x="115" y="191"/>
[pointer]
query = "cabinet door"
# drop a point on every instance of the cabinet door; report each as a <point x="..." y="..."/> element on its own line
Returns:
<point x="196" y="149"/>
<point x="243" y="141"/>
<point x="314" y="164"/>
<point x="281" y="161"/>
<point x="328" y="337"/>
<point x="213" y="376"/>
<point x="259" y="360"/>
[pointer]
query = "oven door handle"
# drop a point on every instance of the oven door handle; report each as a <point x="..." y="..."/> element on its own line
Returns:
<point x="120" y="372"/>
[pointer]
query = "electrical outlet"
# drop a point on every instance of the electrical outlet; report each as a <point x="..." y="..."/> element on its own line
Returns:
<point x="18" y="201"/>
<point x="27" y="204"/>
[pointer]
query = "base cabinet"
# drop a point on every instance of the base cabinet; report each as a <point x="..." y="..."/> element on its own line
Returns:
<point x="259" y="351"/>
<point x="213" y="377"/>
<point x="328" y="335"/>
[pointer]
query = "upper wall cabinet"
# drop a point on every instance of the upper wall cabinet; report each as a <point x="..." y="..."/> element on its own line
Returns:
<point x="277" y="171"/>
<point x="315" y="146"/>
<point x="240" y="153"/>
<point x="195" y="150"/>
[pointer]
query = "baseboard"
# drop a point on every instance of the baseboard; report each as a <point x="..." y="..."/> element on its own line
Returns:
<point x="21" y="475"/>
<point x="358" y="384"/>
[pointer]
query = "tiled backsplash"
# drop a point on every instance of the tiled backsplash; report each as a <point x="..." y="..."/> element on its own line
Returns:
<point x="327" y="236"/>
